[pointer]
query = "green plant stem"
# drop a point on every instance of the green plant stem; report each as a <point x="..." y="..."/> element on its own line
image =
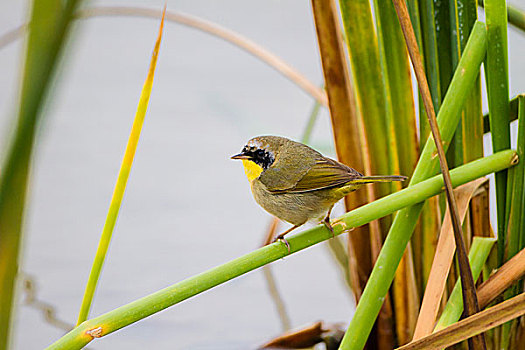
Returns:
<point x="521" y="150"/>
<point x="153" y="303"/>
<point x="429" y="50"/>
<point x="515" y="15"/>
<point x="404" y="221"/>
<point x="478" y="254"/>
<point x="450" y="48"/>
<point x="428" y="31"/>
<point x="50" y="23"/>
<point x="517" y="216"/>
<point x="369" y="82"/>
<point x="513" y="114"/>
<point x="469" y="135"/>
<point x="496" y="73"/>
<point x="447" y="49"/>
<point x="417" y="23"/>
<point x="120" y="186"/>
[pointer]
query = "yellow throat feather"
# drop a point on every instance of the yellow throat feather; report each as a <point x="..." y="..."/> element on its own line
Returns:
<point x="251" y="169"/>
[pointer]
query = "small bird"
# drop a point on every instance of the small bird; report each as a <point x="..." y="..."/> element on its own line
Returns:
<point x="296" y="183"/>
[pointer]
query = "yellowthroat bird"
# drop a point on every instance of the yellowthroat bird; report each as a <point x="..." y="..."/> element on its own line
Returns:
<point x="296" y="183"/>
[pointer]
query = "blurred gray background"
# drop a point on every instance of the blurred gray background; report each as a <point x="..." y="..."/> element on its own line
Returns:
<point x="187" y="206"/>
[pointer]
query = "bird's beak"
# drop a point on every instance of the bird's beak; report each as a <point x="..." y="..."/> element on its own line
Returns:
<point x="240" y="156"/>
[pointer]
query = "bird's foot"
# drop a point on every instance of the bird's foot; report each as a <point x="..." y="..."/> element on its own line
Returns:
<point x="326" y="223"/>
<point x="282" y="239"/>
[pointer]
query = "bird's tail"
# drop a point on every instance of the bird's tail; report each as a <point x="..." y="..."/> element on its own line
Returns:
<point x="379" y="178"/>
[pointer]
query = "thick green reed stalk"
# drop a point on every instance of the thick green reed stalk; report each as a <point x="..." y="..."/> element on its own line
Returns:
<point x="153" y="303"/>
<point x="405" y="221"/>
<point x="515" y="15"/>
<point x="496" y="73"/>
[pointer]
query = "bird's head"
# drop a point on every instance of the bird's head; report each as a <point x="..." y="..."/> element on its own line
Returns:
<point x="259" y="154"/>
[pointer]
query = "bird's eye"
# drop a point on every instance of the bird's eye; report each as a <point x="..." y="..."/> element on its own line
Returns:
<point x="262" y="157"/>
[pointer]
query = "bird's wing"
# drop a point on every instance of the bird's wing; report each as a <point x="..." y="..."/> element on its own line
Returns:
<point x="286" y="172"/>
<point x="325" y="173"/>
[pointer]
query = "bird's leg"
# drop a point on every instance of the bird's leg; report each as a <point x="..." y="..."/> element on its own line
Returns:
<point x="326" y="222"/>
<point x="281" y="236"/>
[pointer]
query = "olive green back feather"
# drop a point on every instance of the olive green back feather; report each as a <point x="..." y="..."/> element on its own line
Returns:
<point x="325" y="173"/>
<point x="289" y="166"/>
